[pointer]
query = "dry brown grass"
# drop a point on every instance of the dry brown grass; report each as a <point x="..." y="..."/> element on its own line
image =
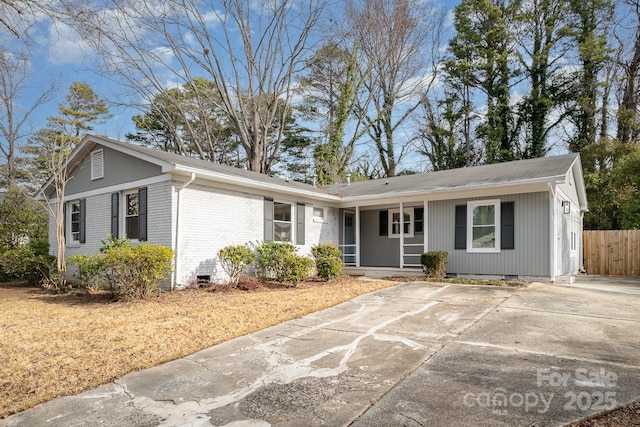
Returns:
<point x="54" y="345"/>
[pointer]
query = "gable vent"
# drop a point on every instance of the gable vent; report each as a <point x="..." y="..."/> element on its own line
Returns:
<point x="97" y="165"/>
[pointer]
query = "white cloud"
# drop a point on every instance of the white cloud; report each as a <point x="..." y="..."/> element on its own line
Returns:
<point x="66" y="46"/>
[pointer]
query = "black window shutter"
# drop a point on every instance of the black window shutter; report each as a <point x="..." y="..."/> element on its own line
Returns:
<point x="142" y="213"/>
<point x="418" y="220"/>
<point x="461" y="227"/>
<point x="384" y="223"/>
<point x="115" y="215"/>
<point x="507" y="226"/>
<point x="300" y="223"/>
<point x="83" y="220"/>
<point x="268" y="220"/>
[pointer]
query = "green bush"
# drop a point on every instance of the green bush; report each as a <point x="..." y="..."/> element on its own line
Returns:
<point x="90" y="271"/>
<point x="25" y="263"/>
<point x="136" y="271"/>
<point x="124" y="269"/>
<point x="328" y="259"/>
<point x="279" y="261"/>
<point x="295" y="269"/>
<point x="235" y="260"/>
<point x="434" y="263"/>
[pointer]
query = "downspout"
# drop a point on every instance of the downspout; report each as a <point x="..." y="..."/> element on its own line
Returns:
<point x="176" y="266"/>
<point x="552" y="233"/>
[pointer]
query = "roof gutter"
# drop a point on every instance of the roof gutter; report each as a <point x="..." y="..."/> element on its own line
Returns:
<point x="379" y="197"/>
<point x="249" y="183"/>
<point x="176" y="268"/>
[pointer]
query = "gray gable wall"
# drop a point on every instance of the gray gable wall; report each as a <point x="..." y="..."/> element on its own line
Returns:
<point x="119" y="168"/>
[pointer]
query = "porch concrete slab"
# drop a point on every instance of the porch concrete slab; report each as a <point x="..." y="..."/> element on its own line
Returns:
<point x="414" y="354"/>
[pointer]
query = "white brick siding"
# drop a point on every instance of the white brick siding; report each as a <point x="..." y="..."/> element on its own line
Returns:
<point x="318" y="232"/>
<point x="211" y="219"/>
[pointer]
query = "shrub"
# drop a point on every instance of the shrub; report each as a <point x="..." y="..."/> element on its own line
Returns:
<point x="328" y="259"/>
<point x="434" y="263"/>
<point x="136" y="271"/>
<point x="279" y="261"/>
<point x="26" y="263"/>
<point x="126" y="270"/>
<point x="295" y="269"/>
<point x="235" y="260"/>
<point x="90" y="271"/>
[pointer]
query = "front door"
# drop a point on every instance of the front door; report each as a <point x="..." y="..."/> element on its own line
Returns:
<point x="349" y="238"/>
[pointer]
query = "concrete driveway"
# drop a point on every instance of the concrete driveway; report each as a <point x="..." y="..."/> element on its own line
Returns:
<point x="413" y="355"/>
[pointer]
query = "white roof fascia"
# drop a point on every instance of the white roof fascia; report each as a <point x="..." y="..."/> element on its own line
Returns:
<point x="251" y="184"/>
<point x="580" y="188"/>
<point x="539" y="184"/>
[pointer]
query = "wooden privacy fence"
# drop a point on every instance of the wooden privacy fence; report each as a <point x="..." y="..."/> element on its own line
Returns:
<point x="612" y="253"/>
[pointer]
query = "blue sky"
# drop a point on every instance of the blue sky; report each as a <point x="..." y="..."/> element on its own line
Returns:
<point x="59" y="54"/>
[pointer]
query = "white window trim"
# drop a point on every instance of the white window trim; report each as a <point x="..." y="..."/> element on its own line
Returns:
<point x="97" y="164"/>
<point x="471" y="205"/>
<point x="291" y="223"/>
<point x="409" y="211"/>
<point x="69" y="240"/>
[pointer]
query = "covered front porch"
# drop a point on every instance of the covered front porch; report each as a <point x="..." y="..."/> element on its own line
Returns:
<point x="387" y="238"/>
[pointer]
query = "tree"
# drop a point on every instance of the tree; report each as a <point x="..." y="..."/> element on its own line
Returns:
<point x="541" y="29"/>
<point x="14" y="82"/>
<point x="22" y="221"/>
<point x="24" y="244"/>
<point x="249" y="50"/>
<point x="392" y="36"/>
<point x="188" y="120"/>
<point x="52" y="146"/>
<point x="331" y="92"/>
<point x="480" y="52"/>
<point x="588" y="22"/>
<point x="440" y="131"/>
<point x="611" y="185"/>
<point x="628" y="121"/>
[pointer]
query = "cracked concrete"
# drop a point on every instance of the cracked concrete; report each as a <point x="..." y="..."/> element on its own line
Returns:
<point x="415" y="354"/>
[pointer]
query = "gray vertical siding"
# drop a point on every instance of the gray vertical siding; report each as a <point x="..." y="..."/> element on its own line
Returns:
<point x="118" y="169"/>
<point x="382" y="251"/>
<point x="530" y="256"/>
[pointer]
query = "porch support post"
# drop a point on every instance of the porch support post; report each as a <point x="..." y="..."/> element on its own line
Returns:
<point x="401" y="240"/>
<point x="357" y="225"/>
<point x="425" y="227"/>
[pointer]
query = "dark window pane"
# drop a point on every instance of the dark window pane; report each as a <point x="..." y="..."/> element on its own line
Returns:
<point x="132" y="227"/>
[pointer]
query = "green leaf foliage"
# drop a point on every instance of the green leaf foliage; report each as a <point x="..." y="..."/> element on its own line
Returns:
<point x="278" y="261"/>
<point x="434" y="263"/>
<point x="328" y="259"/>
<point x="235" y="260"/>
<point x="128" y="271"/>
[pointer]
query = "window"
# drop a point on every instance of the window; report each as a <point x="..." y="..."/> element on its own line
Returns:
<point x="318" y="213"/>
<point x="483" y="231"/>
<point x="407" y="223"/>
<point x="281" y="222"/>
<point x="97" y="164"/>
<point x="75" y="221"/>
<point x="132" y="216"/>
<point x="483" y="226"/>
<point x="489" y="226"/>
